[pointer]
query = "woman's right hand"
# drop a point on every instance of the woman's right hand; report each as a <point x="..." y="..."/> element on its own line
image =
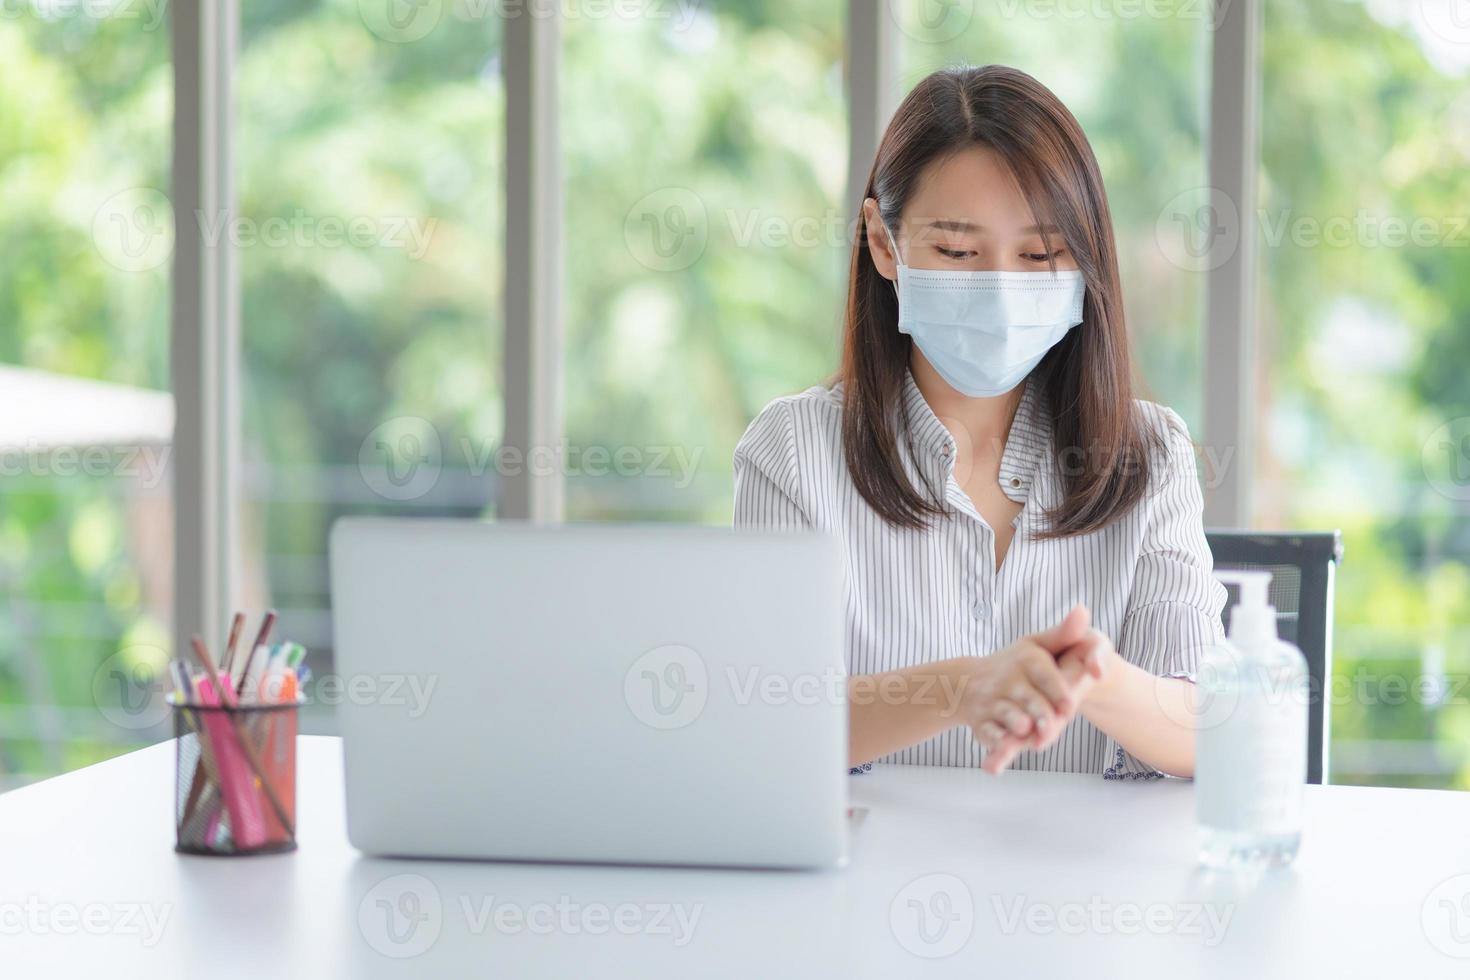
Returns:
<point x="1015" y="698"/>
<point x="1021" y="692"/>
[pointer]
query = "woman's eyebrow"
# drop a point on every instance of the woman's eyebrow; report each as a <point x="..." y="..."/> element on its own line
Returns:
<point x="961" y="226"/>
<point x="969" y="227"/>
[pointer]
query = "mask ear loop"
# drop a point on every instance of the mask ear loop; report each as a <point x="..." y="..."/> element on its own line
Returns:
<point x="898" y="259"/>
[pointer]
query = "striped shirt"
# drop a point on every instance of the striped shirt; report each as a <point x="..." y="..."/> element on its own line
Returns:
<point x="916" y="596"/>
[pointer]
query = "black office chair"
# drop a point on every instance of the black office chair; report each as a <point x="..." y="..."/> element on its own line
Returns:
<point x="1302" y="567"/>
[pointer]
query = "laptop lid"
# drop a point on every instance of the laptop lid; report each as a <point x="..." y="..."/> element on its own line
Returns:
<point x="640" y="694"/>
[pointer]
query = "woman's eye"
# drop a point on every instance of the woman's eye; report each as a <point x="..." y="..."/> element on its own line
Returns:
<point x="953" y="253"/>
<point x="1042" y="256"/>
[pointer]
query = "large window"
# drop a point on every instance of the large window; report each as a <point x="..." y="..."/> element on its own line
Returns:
<point x="86" y="571"/>
<point x="1365" y="364"/>
<point x="706" y="242"/>
<point x="368" y="236"/>
<point x="701" y="237"/>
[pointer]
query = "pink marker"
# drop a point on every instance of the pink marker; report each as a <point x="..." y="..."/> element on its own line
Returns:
<point x="237" y="782"/>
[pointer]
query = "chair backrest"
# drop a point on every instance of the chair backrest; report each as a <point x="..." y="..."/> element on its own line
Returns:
<point x="1302" y="567"/>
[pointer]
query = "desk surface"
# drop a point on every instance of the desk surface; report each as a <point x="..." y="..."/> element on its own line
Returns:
<point x="1045" y="875"/>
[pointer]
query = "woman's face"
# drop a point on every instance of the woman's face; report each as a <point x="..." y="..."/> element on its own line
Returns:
<point x="967" y="213"/>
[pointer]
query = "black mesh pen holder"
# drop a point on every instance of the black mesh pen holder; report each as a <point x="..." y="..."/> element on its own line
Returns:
<point x="235" y="792"/>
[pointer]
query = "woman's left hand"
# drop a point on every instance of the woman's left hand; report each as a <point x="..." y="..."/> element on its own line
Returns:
<point x="1083" y="665"/>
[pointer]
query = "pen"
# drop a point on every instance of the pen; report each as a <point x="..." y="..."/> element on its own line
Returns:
<point x="280" y="676"/>
<point x="255" y="671"/>
<point x="222" y="693"/>
<point x="260" y="640"/>
<point x="235" y="626"/>
<point x="180" y="677"/>
<point x="293" y="653"/>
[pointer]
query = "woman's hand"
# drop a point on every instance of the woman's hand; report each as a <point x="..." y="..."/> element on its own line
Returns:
<point x="1025" y="695"/>
<point x="1082" y="657"/>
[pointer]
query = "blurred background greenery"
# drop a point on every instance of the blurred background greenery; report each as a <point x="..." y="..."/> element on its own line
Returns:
<point x="728" y="120"/>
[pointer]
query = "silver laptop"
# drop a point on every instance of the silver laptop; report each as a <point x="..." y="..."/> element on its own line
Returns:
<point x="631" y="694"/>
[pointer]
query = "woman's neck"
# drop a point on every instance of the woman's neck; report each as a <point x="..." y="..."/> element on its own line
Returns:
<point x="985" y="422"/>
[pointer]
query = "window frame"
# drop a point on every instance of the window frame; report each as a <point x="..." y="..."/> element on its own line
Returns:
<point x="205" y="316"/>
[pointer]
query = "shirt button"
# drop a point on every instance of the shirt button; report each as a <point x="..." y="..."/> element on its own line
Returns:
<point x="1016" y="482"/>
<point x="980" y="610"/>
<point x="944" y="452"/>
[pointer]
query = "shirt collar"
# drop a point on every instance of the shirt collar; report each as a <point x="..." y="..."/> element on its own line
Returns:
<point x="1027" y="442"/>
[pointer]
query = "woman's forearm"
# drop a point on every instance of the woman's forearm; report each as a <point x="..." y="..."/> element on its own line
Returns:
<point x="890" y="711"/>
<point x="1150" y="716"/>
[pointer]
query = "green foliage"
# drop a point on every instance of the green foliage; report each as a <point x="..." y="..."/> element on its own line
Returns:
<point x="1368" y="356"/>
<point x="732" y="126"/>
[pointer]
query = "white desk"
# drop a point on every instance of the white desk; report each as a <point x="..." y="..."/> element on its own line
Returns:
<point x="1091" y="865"/>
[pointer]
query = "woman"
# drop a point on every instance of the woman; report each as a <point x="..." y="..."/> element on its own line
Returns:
<point x="1028" y="578"/>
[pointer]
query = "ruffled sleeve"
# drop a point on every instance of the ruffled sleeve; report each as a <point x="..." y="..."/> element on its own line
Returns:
<point x="1174" y="610"/>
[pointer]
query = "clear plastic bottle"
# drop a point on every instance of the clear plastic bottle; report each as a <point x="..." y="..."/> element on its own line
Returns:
<point x="1251" y="738"/>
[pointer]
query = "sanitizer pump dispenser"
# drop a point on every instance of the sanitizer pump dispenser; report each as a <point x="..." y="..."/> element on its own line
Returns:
<point x="1251" y="737"/>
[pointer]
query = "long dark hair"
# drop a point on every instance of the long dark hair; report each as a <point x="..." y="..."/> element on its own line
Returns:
<point x="1087" y="378"/>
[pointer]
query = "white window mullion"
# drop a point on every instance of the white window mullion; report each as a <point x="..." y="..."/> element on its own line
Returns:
<point x="872" y="72"/>
<point x="533" y="270"/>
<point x="1230" y="347"/>
<point x="204" y="323"/>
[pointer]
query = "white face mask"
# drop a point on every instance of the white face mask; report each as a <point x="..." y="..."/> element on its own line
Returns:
<point x="985" y="331"/>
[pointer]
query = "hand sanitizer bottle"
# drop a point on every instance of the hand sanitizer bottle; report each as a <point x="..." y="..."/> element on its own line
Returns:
<point x="1251" y="738"/>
